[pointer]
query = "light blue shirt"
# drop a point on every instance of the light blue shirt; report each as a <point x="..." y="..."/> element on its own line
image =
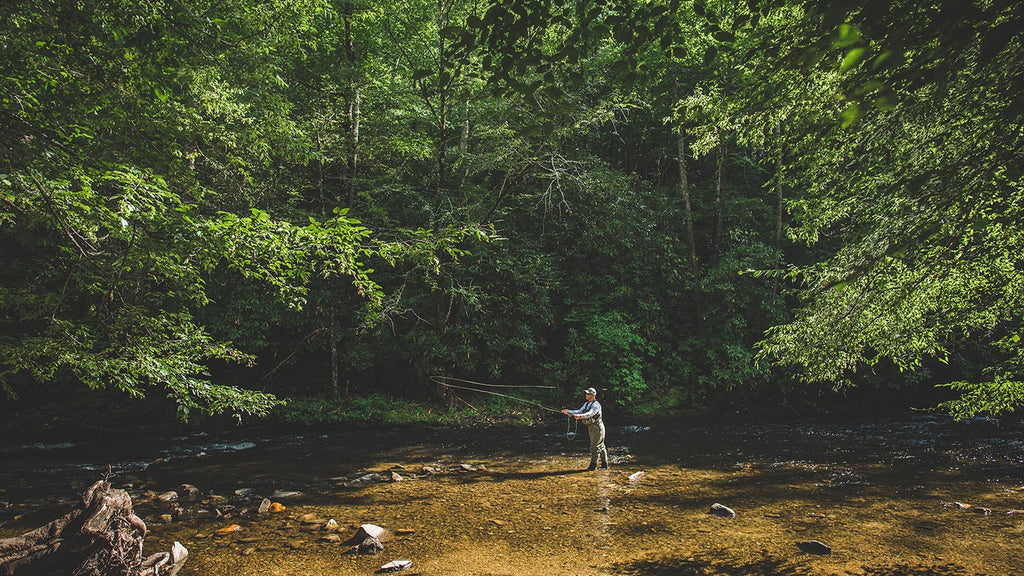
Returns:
<point x="588" y="410"/>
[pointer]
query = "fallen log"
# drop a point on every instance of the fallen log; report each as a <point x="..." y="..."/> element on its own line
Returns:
<point x="101" y="536"/>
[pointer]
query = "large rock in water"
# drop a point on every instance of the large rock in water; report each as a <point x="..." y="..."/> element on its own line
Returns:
<point x="370" y="545"/>
<point x="369" y="539"/>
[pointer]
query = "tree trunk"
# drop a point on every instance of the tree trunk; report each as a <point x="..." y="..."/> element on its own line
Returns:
<point x="101" y="536"/>
<point x="442" y="105"/>
<point x="778" y="185"/>
<point x="719" y="199"/>
<point x="353" y="108"/>
<point x="464" y="137"/>
<point x="333" y="335"/>
<point x="684" y="192"/>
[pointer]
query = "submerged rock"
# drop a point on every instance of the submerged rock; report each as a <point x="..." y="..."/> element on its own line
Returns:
<point x="311" y="518"/>
<point x="227" y="529"/>
<point x="370" y="478"/>
<point x="286" y="495"/>
<point x="722" y="510"/>
<point x="168" y="499"/>
<point x="371" y="531"/>
<point x="370" y="545"/>
<point x="814" y="547"/>
<point x="396" y="565"/>
<point x="188" y="493"/>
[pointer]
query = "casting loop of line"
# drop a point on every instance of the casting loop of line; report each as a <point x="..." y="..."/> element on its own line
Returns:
<point x="446" y="381"/>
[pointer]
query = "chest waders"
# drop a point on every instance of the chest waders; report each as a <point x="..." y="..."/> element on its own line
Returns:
<point x="598" y="451"/>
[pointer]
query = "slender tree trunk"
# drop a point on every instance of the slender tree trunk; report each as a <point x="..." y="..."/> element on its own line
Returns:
<point x="464" y="145"/>
<point x="464" y="137"/>
<point x="331" y="305"/>
<point x="778" y="185"/>
<point x="353" y="141"/>
<point x="719" y="198"/>
<point x="442" y="92"/>
<point x="684" y="192"/>
<point x="335" y="367"/>
<point x="354" y="103"/>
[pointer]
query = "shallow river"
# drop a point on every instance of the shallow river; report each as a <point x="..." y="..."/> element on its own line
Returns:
<point x="910" y="497"/>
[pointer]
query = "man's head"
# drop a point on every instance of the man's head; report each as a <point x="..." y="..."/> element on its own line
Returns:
<point x="591" y="393"/>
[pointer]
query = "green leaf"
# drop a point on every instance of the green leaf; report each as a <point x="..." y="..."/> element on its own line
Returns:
<point x="709" y="55"/>
<point x="725" y="37"/>
<point x="846" y="35"/>
<point x="850" y="115"/>
<point x="853" y="57"/>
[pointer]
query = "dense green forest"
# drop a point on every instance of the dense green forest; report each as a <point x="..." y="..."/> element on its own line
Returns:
<point x="220" y="204"/>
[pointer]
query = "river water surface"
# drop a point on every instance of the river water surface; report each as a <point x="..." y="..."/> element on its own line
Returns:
<point x="915" y="496"/>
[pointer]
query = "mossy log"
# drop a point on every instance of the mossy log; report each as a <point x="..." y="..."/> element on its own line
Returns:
<point x="101" y="536"/>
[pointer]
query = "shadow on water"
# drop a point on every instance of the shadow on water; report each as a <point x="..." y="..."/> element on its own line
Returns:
<point x="767" y="567"/>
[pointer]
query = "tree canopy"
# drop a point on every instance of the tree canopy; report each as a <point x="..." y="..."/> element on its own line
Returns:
<point x="682" y="203"/>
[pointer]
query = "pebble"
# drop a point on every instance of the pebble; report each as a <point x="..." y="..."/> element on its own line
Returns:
<point x="168" y="497"/>
<point x="722" y="510"/>
<point x="188" y="493"/>
<point x="814" y="547"/>
<point x="286" y="495"/>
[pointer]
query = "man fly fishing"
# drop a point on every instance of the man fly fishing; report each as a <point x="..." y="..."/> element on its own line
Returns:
<point x="590" y="415"/>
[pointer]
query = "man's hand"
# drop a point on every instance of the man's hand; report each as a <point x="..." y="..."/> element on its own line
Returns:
<point x="565" y="411"/>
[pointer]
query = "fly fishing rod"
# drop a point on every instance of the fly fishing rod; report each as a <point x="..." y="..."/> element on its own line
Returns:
<point x="443" y="381"/>
<point x="446" y="381"/>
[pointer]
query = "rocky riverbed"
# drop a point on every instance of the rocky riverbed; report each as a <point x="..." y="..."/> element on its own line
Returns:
<point x="911" y="497"/>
